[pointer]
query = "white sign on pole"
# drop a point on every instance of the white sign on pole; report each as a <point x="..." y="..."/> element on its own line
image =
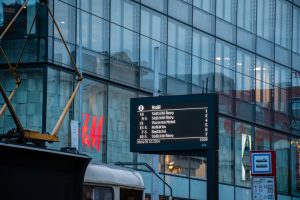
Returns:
<point x="263" y="188"/>
<point x="74" y="134"/>
<point x="261" y="163"/>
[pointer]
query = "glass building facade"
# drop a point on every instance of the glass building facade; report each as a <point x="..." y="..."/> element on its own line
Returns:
<point x="247" y="51"/>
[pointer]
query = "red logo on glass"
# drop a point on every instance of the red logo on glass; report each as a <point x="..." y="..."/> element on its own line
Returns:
<point x="91" y="135"/>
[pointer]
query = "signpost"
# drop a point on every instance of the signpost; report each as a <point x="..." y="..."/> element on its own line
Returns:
<point x="263" y="171"/>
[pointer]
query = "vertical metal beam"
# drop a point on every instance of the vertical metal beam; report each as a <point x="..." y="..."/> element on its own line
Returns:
<point x="212" y="175"/>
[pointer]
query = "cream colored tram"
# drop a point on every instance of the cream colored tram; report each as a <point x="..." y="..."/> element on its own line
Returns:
<point x="111" y="182"/>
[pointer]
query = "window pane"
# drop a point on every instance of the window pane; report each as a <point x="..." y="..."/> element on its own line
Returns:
<point x="225" y="151"/>
<point x="198" y="167"/>
<point x="94" y="33"/>
<point x="263" y="139"/>
<point x="118" y="129"/>
<point x="96" y="7"/>
<point x="203" y="20"/>
<point x="281" y="147"/>
<point x="295" y="166"/>
<point x="202" y="75"/>
<point x="203" y="45"/>
<point x="27" y="101"/>
<point x="208" y="6"/>
<point x="185" y="13"/>
<point x="125" y="13"/>
<point x="283" y="31"/>
<point x="266" y="19"/>
<point x="176" y="164"/>
<point x="247" y="15"/>
<point x="92" y="118"/>
<point x="296" y="29"/>
<point x="179" y="64"/>
<point x="154" y="25"/>
<point x="224" y="86"/>
<point x="225" y="54"/>
<point x="59" y="90"/>
<point x="243" y="146"/>
<point x="160" y="5"/>
<point x="226" y="9"/>
<point x="180" y="36"/>
<point x="65" y="15"/>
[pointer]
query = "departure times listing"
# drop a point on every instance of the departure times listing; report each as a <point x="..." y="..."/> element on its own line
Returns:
<point x="157" y="123"/>
<point x="173" y="123"/>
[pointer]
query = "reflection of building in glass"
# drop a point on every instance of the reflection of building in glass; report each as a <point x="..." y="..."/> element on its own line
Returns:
<point x="247" y="51"/>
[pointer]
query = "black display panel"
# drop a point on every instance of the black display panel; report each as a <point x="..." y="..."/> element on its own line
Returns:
<point x="173" y="123"/>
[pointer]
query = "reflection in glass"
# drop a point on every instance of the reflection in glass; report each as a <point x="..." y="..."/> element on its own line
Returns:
<point x="118" y="128"/>
<point x="153" y="25"/>
<point x="226" y="10"/>
<point x="179" y="36"/>
<point x="283" y="26"/>
<point x="263" y="139"/>
<point x="296" y="29"/>
<point x="243" y="146"/>
<point x="281" y="147"/>
<point x="266" y="19"/>
<point x="225" y="151"/>
<point x="295" y="166"/>
<point x="125" y="13"/>
<point x="175" y="164"/>
<point x="93" y="118"/>
<point x="246" y="18"/>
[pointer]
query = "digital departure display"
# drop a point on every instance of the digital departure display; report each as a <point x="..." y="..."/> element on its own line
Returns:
<point x="174" y="123"/>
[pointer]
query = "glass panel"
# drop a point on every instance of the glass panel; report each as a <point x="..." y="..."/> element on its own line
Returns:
<point x="208" y="6"/>
<point x="264" y="74"/>
<point x="198" y="167"/>
<point x="295" y="102"/>
<point x="246" y="39"/>
<point x="203" y="20"/>
<point x="246" y="18"/>
<point x="65" y="16"/>
<point x="282" y="149"/>
<point x="160" y="5"/>
<point x="283" y="26"/>
<point x="225" y="151"/>
<point x="266" y="19"/>
<point x="176" y="164"/>
<point x="27" y="101"/>
<point x="90" y="112"/>
<point x="263" y="139"/>
<point x="203" y="45"/>
<point x="21" y="26"/>
<point x="124" y="44"/>
<point x="185" y="13"/>
<point x="225" y="54"/>
<point x="126" y="13"/>
<point x="179" y="36"/>
<point x="94" y="33"/>
<point x="243" y="146"/>
<point x="224" y="86"/>
<point x="202" y="75"/>
<point x="147" y="62"/>
<point x="154" y="25"/>
<point x="226" y="31"/>
<point x="295" y="166"/>
<point x="59" y="90"/>
<point x="226" y="9"/>
<point x="179" y="64"/>
<point x="296" y="29"/>
<point x="95" y="7"/>
<point x="118" y="128"/>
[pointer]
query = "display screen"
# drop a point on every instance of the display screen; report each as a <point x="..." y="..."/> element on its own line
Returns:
<point x="174" y="123"/>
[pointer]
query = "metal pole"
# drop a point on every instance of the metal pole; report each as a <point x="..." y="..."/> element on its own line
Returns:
<point x="155" y="158"/>
<point x="80" y="67"/>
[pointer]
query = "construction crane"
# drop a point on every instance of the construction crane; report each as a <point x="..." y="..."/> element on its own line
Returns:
<point x="21" y="134"/>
